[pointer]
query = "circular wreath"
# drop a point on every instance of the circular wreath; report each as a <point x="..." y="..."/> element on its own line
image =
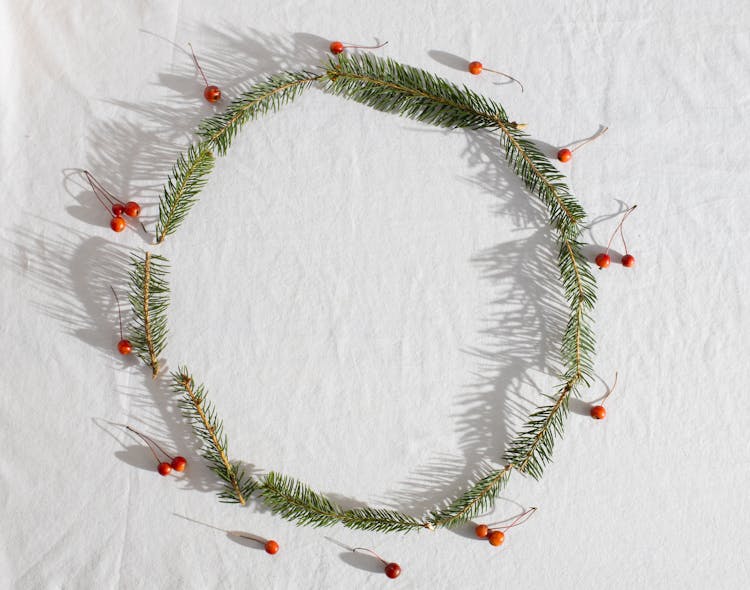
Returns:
<point x="388" y="86"/>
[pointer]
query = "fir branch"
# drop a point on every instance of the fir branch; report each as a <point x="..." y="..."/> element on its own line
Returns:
<point x="149" y="298"/>
<point x="268" y="96"/>
<point x="189" y="175"/>
<point x="295" y="501"/>
<point x="201" y="415"/>
<point x="478" y="498"/>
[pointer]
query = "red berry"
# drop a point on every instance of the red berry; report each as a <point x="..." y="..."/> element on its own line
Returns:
<point x="337" y="47"/>
<point x="393" y="570"/>
<point x="475" y="67"/>
<point x="124" y="347"/>
<point x="118" y="209"/>
<point x="117" y="224"/>
<point x="602" y="260"/>
<point x="179" y="463"/>
<point x="212" y="93"/>
<point x="564" y="155"/>
<point x="164" y="469"/>
<point x="482" y="530"/>
<point x="598" y="412"/>
<point x="628" y="260"/>
<point x="132" y="209"/>
<point x="271" y="547"/>
<point x="496" y="538"/>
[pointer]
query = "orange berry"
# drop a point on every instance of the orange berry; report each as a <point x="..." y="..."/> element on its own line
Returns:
<point x="482" y="530"/>
<point x="336" y="47"/>
<point x="602" y="260"/>
<point x="124" y="347"/>
<point x="212" y="93"/>
<point x="475" y="67"/>
<point x="271" y="547"/>
<point x="117" y="224"/>
<point x="628" y="260"/>
<point x="598" y="412"/>
<point x="164" y="469"/>
<point x="496" y="538"/>
<point x="564" y="155"/>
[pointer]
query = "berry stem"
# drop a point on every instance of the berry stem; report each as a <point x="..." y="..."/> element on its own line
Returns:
<point x="506" y="75"/>
<point x="525" y="515"/>
<point x="149" y="441"/>
<point x="102" y="193"/>
<point x="611" y="389"/>
<point x="349" y="46"/>
<point x="370" y="551"/>
<point x="619" y="227"/>
<point x="590" y="139"/>
<point x="119" y="313"/>
<point x="197" y="65"/>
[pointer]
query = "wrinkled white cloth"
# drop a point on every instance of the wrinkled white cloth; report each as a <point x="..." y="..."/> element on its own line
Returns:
<point x="373" y="303"/>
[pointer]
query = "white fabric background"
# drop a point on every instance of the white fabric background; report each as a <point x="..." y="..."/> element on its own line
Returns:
<point x="372" y="302"/>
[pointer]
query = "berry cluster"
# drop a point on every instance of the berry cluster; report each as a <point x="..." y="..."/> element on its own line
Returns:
<point x="628" y="260"/>
<point x="496" y="536"/>
<point x="114" y="206"/>
<point x="178" y="463"/>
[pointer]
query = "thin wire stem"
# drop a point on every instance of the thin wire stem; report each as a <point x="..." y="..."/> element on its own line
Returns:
<point x="619" y="227"/>
<point x="506" y="75"/>
<point x="119" y="313"/>
<point x="356" y="549"/>
<point x="611" y="389"/>
<point x="350" y="46"/>
<point x="590" y="139"/>
<point x="197" y="65"/>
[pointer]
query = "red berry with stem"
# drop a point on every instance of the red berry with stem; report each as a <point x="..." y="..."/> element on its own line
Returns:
<point x="393" y="570"/>
<point x="211" y="93"/>
<point x="164" y="468"/>
<point x="481" y="531"/>
<point x="565" y="154"/>
<point x="338" y="47"/>
<point x="118" y="209"/>
<point x="179" y="463"/>
<point x="476" y="68"/>
<point x="599" y="412"/>
<point x="117" y="224"/>
<point x="271" y="547"/>
<point x="132" y="209"/>
<point x="603" y="260"/>
<point x="123" y="346"/>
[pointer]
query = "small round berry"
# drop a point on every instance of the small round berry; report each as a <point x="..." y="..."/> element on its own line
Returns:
<point x="164" y="469"/>
<point x="628" y="260"/>
<point x="132" y="209"/>
<point x="482" y="531"/>
<point x="124" y="347"/>
<point x="475" y="68"/>
<point x="117" y="224"/>
<point x="564" y="155"/>
<point x="393" y="570"/>
<point x="212" y="93"/>
<point x="271" y="547"/>
<point x="118" y="209"/>
<point x="602" y="260"/>
<point x="179" y="463"/>
<point x="598" y="412"/>
<point x="496" y="538"/>
<point x="337" y="47"/>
